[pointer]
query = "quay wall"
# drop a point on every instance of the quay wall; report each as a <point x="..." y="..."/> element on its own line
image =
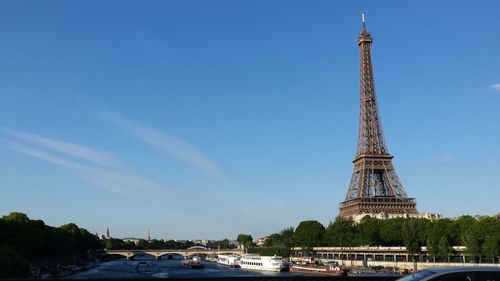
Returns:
<point x="260" y="278"/>
<point x="400" y="264"/>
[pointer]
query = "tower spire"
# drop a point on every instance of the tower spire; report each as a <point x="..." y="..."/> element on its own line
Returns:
<point x="363" y="21"/>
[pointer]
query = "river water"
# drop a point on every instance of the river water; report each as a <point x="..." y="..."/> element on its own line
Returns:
<point x="165" y="269"/>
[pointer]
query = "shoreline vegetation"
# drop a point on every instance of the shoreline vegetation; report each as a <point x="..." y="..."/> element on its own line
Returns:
<point x="30" y="248"/>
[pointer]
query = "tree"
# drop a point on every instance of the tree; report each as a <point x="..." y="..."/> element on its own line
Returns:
<point x="471" y="243"/>
<point x="462" y="225"/>
<point x="17" y="217"/>
<point x="486" y="226"/>
<point x="444" y="248"/>
<point x="411" y="239"/>
<point x="340" y="233"/>
<point x="432" y="248"/>
<point x="224" y="244"/>
<point x="156" y="244"/>
<point x="368" y="231"/>
<point x="287" y="237"/>
<point x="12" y="263"/>
<point x="491" y="246"/>
<point x="143" y="244"/>
<point x="309" y="234"/>
<point x="390" y="232"/>
<point x="274" y="240"/>
<point x="443" y="227"/>
<point x="245" y="240"/>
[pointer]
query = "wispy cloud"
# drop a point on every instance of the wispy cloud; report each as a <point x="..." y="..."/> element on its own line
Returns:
<point x="99" y="157"/>
<point x="169" y="145"/>
<point x="104" y="169"/>
<point x="445" y="158"/>
<point x="495" y="87"/>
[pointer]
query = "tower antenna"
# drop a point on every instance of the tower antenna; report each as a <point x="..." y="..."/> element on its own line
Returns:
<point x="363" y="20"/>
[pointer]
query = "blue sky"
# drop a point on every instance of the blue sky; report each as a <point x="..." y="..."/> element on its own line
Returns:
<point x="205" y="119"/>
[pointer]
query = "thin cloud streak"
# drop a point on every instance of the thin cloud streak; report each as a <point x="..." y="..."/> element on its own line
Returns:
<point x="446" y="158"/>
<point x="117" y="182"/>
<point x="101" y="158"/>
<point x="495" y="87"/>
<point x="169" y="145"/>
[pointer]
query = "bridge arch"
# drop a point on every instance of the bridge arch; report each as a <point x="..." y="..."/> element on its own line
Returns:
<point x="142" y="254"/>
<point x="113" y="256"/>
<point x="197" y="248"/>
<point x="171" y="254"/>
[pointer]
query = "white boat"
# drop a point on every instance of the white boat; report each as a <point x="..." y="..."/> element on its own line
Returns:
<point x="265" y="263"/>
<point x="194" y="263"/>
<point x="229" y="260"/>
<point x="211" y="258"/>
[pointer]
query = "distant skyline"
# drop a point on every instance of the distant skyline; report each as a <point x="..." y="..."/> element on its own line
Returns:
<point x="206" y="119"/>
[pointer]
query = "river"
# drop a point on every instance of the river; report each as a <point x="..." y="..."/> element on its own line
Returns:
<point x="124" y="269"/>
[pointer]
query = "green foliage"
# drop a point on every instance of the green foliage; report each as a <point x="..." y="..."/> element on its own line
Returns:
<point x="245" y="239"/>
<point x="224" y="244"/>
<point x="368" y="231"/>
<point x="274" y="240"/>
<point x="309" y="234"/>
<point x="287" y="237"/>
<point x="411" y="237"/>
<point x="471" y="242"/>
<point x="35" y="240"/>
<point x="341" y="233"/>
<point x="119" y="244"/>
<point x="390" y="232"/>
<point x="29" y="240"/>
<point x="17" y="217"/>
<point x="487" y="226"/>
<point x="12" y="263"/>
<point x="143" y="244"/>
<point x="283" y="239"/>
<point x="491" y="246"/>
<point x="444" y="248"/>
<point x="439" y="228"/>
<point x="432" y="247"/>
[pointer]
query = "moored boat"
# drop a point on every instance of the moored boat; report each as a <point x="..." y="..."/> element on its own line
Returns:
<point x="328" y="269"/>
<point x="263" y="263"/>
<point x="194" y="263"/>
<point x="229" y="260"/>
<point x="211" y="258"/>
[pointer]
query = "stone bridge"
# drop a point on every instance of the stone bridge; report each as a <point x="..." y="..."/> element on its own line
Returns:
<point x="158" y="253"/>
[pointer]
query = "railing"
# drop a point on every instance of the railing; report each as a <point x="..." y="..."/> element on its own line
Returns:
<point x="378" y="200"/>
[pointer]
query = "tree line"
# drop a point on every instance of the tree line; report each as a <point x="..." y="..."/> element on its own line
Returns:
<point x="480" y="236"/>
<point x="23" y="240"/>
<point x="142" y="244"/>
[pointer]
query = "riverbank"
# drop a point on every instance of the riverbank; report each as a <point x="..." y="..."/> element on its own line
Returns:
<point x="400" y="264"/>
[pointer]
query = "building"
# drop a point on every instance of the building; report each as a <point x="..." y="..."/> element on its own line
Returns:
<point x="261" y="241"/>
<point x="375" y="187"/>
<point x="384" y="216"/>
<point x="132" y="240"/>
<point x="105" y="235"/>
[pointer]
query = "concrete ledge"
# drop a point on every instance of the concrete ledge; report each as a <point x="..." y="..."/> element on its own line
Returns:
<point x="257" y="278"/>
<point x="407" y="265"/>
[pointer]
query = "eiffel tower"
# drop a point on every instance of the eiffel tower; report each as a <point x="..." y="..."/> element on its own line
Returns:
<point x="375" y="187"/>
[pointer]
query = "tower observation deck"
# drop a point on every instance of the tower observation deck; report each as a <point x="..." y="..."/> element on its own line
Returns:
<point x="375" y="186"/>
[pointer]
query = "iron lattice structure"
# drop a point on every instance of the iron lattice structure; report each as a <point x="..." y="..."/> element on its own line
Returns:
<point x="375" y="186"/>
